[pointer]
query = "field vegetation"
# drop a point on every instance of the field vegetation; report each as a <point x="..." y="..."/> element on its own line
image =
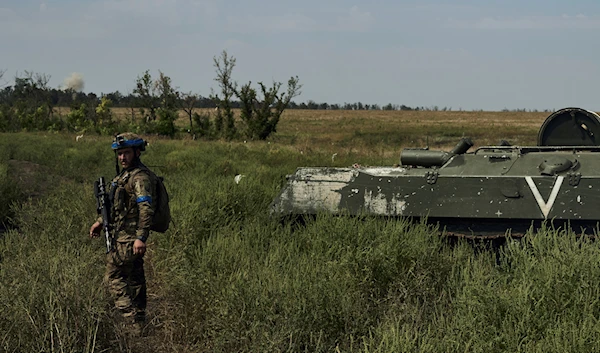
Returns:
<point x="228" y="278"/>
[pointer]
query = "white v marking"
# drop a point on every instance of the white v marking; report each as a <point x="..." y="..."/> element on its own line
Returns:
<point x="545" y="207"/>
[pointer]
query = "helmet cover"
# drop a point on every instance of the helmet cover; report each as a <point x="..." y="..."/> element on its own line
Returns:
<point x="128" y="139"/>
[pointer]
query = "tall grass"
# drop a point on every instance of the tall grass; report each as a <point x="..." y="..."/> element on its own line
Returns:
<point x="226" y="277"/>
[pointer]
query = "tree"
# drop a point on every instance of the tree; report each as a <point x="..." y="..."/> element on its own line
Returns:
<point x="2" y="83"/>
<point x="260" y="110"/>
<point x="131" y="105"/>
<point x="168" y="110"/>
<point x="115" y="97"/>
<point x="187" y="103"/>
<point x="167" y="94"/>
<point x="147" y="98"/>
<point x="104" y="117"/>
<point x="31" y="102"/>
<point x="262" y="113"/>
<point x="224" y="122"/>
<point x="160" y="98"/>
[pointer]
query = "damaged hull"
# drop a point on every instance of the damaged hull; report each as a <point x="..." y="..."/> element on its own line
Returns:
<point x="492" y="185"/>
<point x="493" y="190"/>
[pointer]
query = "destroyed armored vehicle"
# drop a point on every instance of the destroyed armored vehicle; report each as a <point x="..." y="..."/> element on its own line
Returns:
<point x="490" y="192"/>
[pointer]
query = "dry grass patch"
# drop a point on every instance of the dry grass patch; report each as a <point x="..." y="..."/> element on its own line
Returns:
<point x="385" y="133"/>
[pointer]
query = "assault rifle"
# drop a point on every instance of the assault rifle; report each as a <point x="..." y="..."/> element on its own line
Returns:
<point x="103" y="207"/>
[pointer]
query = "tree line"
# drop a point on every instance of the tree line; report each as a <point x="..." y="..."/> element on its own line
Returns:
<point x="155" y="103"/>
<point x="154" y="106"/>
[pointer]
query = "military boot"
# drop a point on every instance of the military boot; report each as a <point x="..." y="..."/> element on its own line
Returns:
<point x="139" y="324"/>
<point x="137" y="329"/>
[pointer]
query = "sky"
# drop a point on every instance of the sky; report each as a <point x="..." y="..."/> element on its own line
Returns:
<point x="459" y="54"/>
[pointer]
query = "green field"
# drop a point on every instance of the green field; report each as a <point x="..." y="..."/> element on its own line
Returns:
<point x="228" y="278"/>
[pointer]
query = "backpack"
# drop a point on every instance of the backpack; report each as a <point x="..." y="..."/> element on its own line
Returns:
<point x="162" y="212"/>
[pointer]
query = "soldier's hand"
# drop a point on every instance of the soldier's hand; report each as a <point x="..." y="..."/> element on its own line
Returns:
<point x="139" y="247"/>
<point x="95" y="230"/>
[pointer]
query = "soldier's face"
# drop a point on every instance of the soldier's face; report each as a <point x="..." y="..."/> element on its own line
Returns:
<point x="127" y="156"/>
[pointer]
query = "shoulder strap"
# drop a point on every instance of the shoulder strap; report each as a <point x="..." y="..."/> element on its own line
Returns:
<point x="132" y="174"/>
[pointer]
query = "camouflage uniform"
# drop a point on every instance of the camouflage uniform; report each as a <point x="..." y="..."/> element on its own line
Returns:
<point x="132" y="211"/>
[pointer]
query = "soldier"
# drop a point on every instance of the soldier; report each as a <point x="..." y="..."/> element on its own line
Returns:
<point x="131" y="216"/>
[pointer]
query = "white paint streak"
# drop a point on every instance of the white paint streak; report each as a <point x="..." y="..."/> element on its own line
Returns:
<point x="545" y="207"/>
<point x="384" y="171"/>
<point x="378" y="204"/>
<point x="314" y="195"/>
<point x="322" y="174"/>
<point x="317" y="189"/>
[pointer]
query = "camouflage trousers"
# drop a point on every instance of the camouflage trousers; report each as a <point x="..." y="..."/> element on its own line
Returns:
<point x="126" y="281"/>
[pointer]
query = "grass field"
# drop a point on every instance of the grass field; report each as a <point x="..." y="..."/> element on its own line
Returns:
<point x="228" y="278"/>
<point x="367" y="131"/>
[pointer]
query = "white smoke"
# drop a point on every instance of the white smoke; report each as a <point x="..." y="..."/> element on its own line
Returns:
<point x="74" y="82"/>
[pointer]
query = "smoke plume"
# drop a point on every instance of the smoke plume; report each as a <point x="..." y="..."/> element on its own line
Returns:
<point x="74" y="82"/>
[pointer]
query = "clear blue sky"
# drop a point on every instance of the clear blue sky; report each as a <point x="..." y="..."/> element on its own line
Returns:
<point x="534" y="54"/>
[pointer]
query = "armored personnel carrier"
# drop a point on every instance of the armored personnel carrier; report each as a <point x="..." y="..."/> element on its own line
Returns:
<point x="489" y="192"/>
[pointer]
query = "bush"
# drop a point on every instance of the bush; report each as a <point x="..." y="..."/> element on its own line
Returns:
<point x="77" y="119"/>
<point x="202" y="125"/>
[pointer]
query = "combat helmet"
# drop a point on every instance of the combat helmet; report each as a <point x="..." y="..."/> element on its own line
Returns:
<point x="128" y="139"/>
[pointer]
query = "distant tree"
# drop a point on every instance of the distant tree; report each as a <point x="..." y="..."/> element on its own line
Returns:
<point x="115" y="97"/>
<point x="104" y="117"/>
<point x="188" y="102"/>
<point x="224" y="122"/>
<point x="168" y="110"/>
<point x="160" y="97"/>
<point x="203" y="125"/>
<point x="129" y="101"/>
<point x="261" y="114"/>
<point x="31" y="102"/>
<point x="2" y="82"/>
<point x="311" y="104"/>
<point x="260" y="109"/>
<point x="146" y="96"/>
<point x="77" y="119"/>
<point x="33" y="86"/>
<point x="6" y="95"/>
<point x="167" y="93"/>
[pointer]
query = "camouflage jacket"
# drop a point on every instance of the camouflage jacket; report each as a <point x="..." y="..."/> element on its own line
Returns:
<point x="133" y="204"/>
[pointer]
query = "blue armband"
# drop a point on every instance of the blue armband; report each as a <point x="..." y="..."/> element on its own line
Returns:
<point x="144" y="198"/>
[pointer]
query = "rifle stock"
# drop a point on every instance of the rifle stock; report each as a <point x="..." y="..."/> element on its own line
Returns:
<point x="103" y="209"/>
